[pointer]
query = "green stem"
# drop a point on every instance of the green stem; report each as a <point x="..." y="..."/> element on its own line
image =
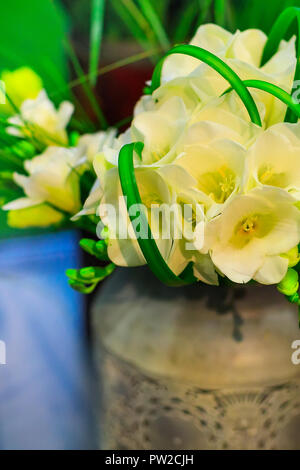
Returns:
<point x="155" y="23"/>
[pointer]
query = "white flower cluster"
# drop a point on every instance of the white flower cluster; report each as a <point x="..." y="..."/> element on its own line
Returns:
<point x="201" y="149"/>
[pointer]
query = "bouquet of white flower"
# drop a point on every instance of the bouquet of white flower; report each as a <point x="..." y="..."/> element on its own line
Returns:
<point x="205" y="183"/>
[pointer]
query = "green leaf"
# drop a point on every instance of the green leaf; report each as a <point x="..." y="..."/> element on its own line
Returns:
<point x="115" y="65"/>
<point x="135" y="22"/>
<point x="86" y="86"/>
<point x="255" y="15"/>
<point x="97" y="18"/>
<point x="139" y="18"/>
<point x="31" y="32"/>
<point x="220" y="12"/>
<point x="204" y="6"/>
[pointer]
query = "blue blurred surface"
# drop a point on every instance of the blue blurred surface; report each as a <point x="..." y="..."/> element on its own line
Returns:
<point x="45" y="387"/>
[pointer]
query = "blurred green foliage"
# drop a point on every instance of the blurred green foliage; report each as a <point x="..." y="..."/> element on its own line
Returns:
<point x="31" y="34"/>
<point x="257" y="13"/>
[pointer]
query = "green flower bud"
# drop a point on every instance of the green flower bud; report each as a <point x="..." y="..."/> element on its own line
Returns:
<point x="72" y="274"/>
<point x="97" y="249"/>
<point x="88" y="245"/>
<point x="101" y="249"/>
<point x="292" y="256"/>
<point x="289" y="284"/>
<point x="75" y="285"/>
<point x="85" y="280"/>
<point x="83" y="289"/>
<point x="294" y="299"/>
<point x="87" y="273"/>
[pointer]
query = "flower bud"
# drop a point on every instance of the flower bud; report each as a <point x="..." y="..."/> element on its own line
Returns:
<point x="87" y="273"/>
<point x="88" y="245"/>
<point x="101" y="249"/>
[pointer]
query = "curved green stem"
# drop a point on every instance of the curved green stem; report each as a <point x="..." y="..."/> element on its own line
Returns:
<point x="148" y="245"/>
<point x="217" y="64"/>
<point x="274" y="90"/>
<point x="277" y="33"/>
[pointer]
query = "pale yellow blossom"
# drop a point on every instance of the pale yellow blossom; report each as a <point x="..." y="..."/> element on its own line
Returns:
<point x="247" y="240"/>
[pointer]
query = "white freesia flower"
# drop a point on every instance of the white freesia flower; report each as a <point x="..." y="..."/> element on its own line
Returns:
<point x="201" y="151"/>
<point x="246" y="241"/>
<point x="189" y="217"/>
<point x="211" y="155"/>
<point x="53" y="177"/>
<point x="203" y="267"/>
<point x="123" y="248"/>
<point x="199" y="157"/>
<point x="92" y="144"/>
<point x="110" y="151"/>
<point x="169" y="187"/>
<point x="274" y="159"/>
<point x="280" y="70"/>
<point x="40" y="117"/>
<point x="163" y="129"/>
<point x="193" y="90"/>
<point x="227" y="112"/>
<point x="244" y="47"/>
<point x="103" y="160"/>
<point x="145" y="103"/>
<point x="197" y="83"/>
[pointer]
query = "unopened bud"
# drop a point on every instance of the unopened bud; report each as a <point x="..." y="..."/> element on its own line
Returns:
<point x="87" y="273"/>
